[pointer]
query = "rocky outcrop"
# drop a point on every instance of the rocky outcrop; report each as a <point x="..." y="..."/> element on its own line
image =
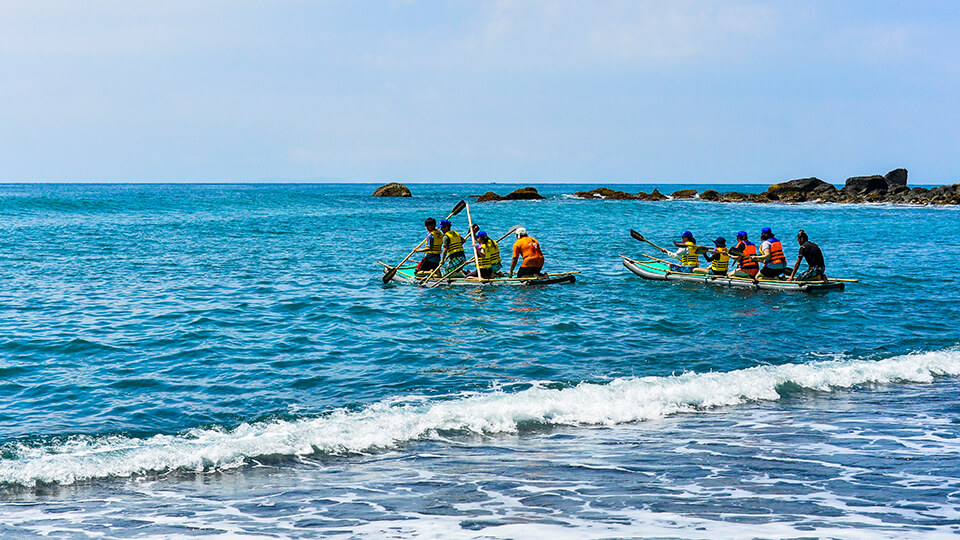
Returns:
<point x="889" y="188"/>
<point x="710" y="195"/>
<point x="527" y="193"/>
<point x="734" y="196"/>
<point x="655" y="195"/>
<point x="605" y="193"/>
<point x="684" y="194"/>
<point x="392" y="189"/>
<point x="800" y="190"/>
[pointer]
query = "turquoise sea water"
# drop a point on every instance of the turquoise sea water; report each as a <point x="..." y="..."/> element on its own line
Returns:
<point x="223" y="360"/>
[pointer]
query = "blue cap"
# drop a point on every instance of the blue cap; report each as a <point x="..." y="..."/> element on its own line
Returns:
<point x="444" y="223"/>
<point x="742" y="234"/>
<point x="686" y="234"/>
<point x="720" y="241"/>
<point x="765" y="230"/>
<point x="481" y="234"/>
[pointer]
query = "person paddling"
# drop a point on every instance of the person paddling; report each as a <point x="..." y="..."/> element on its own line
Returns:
<point x="746" y="266"/>
<point x="452" y="246"/>
<point x="771" y="253"/>
<point x="489" y="252"/>
<point x="816" y="269"/>
<point x="720" y="257"/>
<point x="431" y="259"/>
<point x="528" y="248"/>
<point x="687" y="254"/>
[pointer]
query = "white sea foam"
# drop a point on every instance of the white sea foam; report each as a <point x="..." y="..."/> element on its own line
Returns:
<point x="392" y="423"/>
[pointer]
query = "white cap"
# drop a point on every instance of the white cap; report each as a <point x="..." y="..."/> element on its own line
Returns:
<point x="520" y="232"/>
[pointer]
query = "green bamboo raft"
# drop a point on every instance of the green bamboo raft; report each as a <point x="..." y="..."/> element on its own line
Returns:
<point x="658" y="271"/>
<point x="406" y="275"/>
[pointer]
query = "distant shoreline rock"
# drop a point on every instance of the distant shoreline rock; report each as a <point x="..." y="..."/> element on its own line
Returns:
<point x="522" y="194"/>
<point x="392" y="189"/>
<point x="888" y="188"/>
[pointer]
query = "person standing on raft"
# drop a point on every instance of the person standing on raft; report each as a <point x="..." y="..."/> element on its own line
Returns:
<point x="687" y="254"/>
<point x="747" y="267"/>
<point x="431" y="259"/>
<point x="816" y="269"/>
<point x="771" y="253"/>
<point x="528" y="248"/>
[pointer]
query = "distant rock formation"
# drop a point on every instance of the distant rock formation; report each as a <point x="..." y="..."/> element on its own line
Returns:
<point x="710" y="195"/>
<point x="527" y="193"/>
<point x="889" y="188"/>
<point x="605" y="193"/>
<point x="684" y="194"/>
<point x="655" y="195"/>
<point x="392" y="189"/>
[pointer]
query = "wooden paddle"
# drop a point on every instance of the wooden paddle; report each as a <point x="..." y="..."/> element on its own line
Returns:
<point x="468" y="261"/>
<point x="393" y="271"/>
<point x="638" y="236"/>
<point x="473" y="243"/>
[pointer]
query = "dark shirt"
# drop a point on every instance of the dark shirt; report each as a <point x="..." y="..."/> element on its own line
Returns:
<point x="811" y="252"/>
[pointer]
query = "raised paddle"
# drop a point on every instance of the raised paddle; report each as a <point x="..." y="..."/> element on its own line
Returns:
<point x="473" y="243"/>
<point x="638" y="236"/>
<point x="468" y="261"/>
<point x="393" y="271"/>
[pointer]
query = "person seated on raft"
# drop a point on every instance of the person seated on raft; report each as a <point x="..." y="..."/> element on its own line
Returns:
<point x="452" y="247"/>
<point x="771" y="253"/>
<point x="746" y="266"/>
<point x="432" y="250"/>
<point x="816" y="269"/>
<point x="489" y="253"/>
<point x="687" y="254"/>
<point x="528" y="248"/>
<point x="719" y="258"/>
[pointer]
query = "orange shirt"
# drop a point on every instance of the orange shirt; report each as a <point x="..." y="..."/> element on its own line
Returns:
<point x="528" y="248"/>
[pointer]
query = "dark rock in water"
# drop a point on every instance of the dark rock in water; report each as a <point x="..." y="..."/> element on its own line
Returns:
<point x="734" y="196"/>
<point x="655" y="195"/>
<point x="392" y="189"/>
<point x="684" y="194"/>
<point x="896" y="177"/>
<point x="527" y="193"/>
<point x="605" y="193"/>
<point x="865" y="184"/>
<point x="710" y="195"/>
<point x="488" y="197"/>
<point x="803" y="185"/>
<point x="800" y="190"/>
<point x="761" y="197"/>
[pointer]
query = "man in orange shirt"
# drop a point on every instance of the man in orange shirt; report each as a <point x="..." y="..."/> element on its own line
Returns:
<point x="528" y="248"/>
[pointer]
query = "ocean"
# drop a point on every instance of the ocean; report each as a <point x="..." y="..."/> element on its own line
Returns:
<point x="224" y="361"/>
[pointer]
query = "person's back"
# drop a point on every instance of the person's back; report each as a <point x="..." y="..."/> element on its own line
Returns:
<point x="528" y="248"/>
<point x="816" y="268"/>
<point x="771" y="253"/>
<point x="747" y="266"/>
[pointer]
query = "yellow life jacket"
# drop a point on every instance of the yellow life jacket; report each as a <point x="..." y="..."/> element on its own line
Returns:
<point x="491" y="254"/>
<point x="455" y="247"/>
<point x="690" y="258"/>
<point x="722" y="262"/>
<point x="437" y="242"/>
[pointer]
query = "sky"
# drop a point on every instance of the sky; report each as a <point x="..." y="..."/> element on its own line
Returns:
<point x="526" y="91"/>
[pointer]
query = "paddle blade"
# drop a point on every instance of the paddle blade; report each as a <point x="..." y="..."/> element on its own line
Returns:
<point x="389" y="275"/>
<point x="458" y="208"/>
<point x="637" y="236"/>
<point x="508" y="233"/>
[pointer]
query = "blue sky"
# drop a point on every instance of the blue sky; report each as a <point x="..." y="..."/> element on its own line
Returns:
<point x="510" y="91"/>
